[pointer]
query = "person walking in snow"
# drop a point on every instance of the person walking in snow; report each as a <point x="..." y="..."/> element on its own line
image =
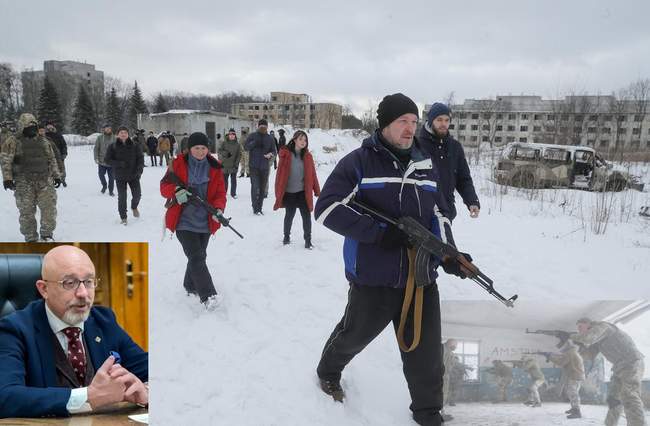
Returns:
<point x="164" y="148"/>
<point x="390" y="173"/>
<point x="102" y="143"/>
<point x="202" y="175"/>
<point x="296" y="184"/>
<point x="127" y="160"/>
<point x="261" y="148"/>
<point x="152" y="147"/>
<point x="229" y="151"/>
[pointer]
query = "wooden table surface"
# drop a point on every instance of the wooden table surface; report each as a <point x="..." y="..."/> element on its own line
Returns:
<point x="116" y="416"/>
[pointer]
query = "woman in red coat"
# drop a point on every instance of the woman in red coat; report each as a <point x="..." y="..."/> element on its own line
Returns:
<point x="296" y="184"/>
<point x="202" y="175"/>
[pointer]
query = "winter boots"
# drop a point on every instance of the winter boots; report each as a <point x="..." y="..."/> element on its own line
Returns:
<point x="286" y="239"/>
<point x="213" y="302"/>
<point x="136" y="213"/>
<point x="574" y="413"/>
<point x="333" y="389"/>
<point x="308" y="244"/>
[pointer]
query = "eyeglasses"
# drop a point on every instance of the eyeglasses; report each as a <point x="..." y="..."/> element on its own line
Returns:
<point x="73" y="283"/>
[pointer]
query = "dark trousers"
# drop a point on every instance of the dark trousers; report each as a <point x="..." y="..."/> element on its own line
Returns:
<point x="104" y="170"/>
<point x="136" y="193"/>
<point x="291" y="202"/>
<point x="154" y="159"/>
<point x="259" y="179"/>
<point x="233" y="180"/>
<point x="197" y="276"/>
<point x="368" y="312"/>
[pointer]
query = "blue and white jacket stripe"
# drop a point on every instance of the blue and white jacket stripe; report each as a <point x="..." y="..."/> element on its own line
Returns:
<point x="373" y="175"/>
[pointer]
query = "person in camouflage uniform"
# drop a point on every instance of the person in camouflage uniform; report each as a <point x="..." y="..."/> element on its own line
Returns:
<point x="230" y="151"/>
<point x="537" y="379"/>
<point x="624" y="390"/>
<point x="243" y="162"/>
<point x="503" y="374"/>
<point x="573" y="373"/>
<point x="29" y="168"/>
<point x="456" y="378"/>
<point x="448" y="356"/>
<point x="104" y="169"/>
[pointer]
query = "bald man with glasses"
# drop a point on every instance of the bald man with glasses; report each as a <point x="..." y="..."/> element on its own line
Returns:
<point x="55" y="353"/>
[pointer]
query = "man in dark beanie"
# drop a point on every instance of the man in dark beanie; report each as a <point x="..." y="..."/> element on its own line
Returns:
<point x="391" y="173"/>
<point x="127" y="160"/>
<point x="261" y="148"/>
<point x="449" y="157"/>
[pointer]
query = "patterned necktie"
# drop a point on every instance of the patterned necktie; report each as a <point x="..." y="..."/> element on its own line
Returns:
<point x="75" y="353"/>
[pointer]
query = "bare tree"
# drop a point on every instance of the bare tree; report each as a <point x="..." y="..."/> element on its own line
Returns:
<point x="10" y="92"/>
<point x="639" y="93"/>
<point x="368" y="119"/>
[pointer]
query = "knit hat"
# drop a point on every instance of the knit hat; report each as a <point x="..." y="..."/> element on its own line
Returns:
<point x="436" y="110"/>
<point x="394" y="106"/>
<point x="198" y="138"/>
<point x="119" y="129"/>
<point x="262" y="122"/>
<point x="231" y="130"/>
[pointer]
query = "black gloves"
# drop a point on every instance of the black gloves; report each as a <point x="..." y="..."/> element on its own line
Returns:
<point x="57" y="182"/>
<point x="452" y="267"/>
<point x="393" y="238"/>
<point x="9" y="184"/>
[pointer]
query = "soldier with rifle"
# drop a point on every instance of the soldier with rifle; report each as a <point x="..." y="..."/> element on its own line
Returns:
<point x="503" y="375"/>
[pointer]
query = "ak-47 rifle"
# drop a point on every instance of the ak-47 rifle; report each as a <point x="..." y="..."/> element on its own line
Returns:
<point x="546" y="355"/>
<point x="563" y="336"/>
<point x="225" y="221"/>
<point x="426" y="243"/>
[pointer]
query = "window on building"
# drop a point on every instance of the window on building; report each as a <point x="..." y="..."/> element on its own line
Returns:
<point x="550" y="128"/>
<point x="274" y="98"/>
<point x="603" y="144"/>
<point x="485" y="139"/>
<point x="537" y="128"/>
<point x="265" y="116"/>
<point x="591" y="142"/>
<point x="578" y="118"/>
<point x="462" y="115"/>
<point x="550" y="117"/>
<point x="497" y="139"/>
<point x="577" y="130"/>
<point x="622" y="118"/>
<point x="523" y="128"/>
<point x="499" y="128"/>
<point x="486" y="127"/>
<point x="474" y="116"/>
<point x="250" y="107"/>
<point x="512" y="116"/>
<point x="461" y="139"/>
<point x="635" y="144"/>
<point x="608" y="117"/>
<point x="593" y="117"/>
<point x="511" y="128"/>
<point x="474" y="126"/>
<point x="537" y="117"/>
<point x="287" y="107"/>
<point x="606" y="130"/>
<point x="474" y="138"/>
<point x="452" y="126"/>
<point x="257" y="116"/>
<point x="591" y="130"/>
<point x="565" y="117"/>
<point x="510" y="139"/>
<point x="461" y="127"/>
<point x="271" y="107"/>
<point x="265" y="108"/>
<point x="499" y="116"/>
<point x="622" y="131"/>
<point x="312" y="107"/>
<point x="638" y="118"/>
<point x="523" y="139"/>
<point x="564" y="129"/>
<point x="524" y="116"/>
<point x="487" y="115"/>
<point x="257" y="107"/>
<point x="636" y="131"/>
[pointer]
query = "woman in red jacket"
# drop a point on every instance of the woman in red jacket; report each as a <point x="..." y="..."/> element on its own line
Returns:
<point x="202" y="175"/>
<point x="296" y="184"/>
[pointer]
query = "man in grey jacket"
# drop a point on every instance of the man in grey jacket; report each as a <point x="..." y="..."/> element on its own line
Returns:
<point x="261" y="148"/>
<point x="101" y="145"/>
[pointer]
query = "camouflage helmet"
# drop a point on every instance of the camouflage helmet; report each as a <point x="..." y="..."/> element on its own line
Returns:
<point x="26" y="119"/>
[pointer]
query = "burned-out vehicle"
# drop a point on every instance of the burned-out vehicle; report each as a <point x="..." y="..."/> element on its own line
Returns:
<point x="537" y="165"/>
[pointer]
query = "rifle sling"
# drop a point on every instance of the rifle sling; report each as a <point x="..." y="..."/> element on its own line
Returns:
<point x="406" y="306"/>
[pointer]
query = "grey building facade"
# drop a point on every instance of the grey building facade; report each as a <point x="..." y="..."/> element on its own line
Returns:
<point x="295" y="109"/>
<point x="602" y="122"/>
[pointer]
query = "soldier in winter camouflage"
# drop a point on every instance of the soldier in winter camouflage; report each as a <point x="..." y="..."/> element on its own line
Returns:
<point x="537" y="379"/>
<point x="29" y="168"/>
<point x="573" y="374"/>
<point x="624" y="390"/>
<point x="503" y="374"/>
<point x="448" y="361"/>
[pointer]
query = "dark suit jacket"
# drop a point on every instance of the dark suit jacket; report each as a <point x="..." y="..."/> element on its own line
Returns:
<point x="28" y="377"/>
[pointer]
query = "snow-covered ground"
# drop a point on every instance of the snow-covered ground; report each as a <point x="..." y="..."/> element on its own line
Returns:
<point x="253" y="361"/>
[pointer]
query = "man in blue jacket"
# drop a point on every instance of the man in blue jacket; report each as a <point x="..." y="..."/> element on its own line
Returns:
<point x="261" y="146"/>
<point x="54" y="353"/>
<point x="448" y="156"/>
<point x="391" y="173"/>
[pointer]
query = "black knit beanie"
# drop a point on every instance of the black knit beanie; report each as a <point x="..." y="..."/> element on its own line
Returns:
<point x="394" y="106"/>
<point x="198" y="138"/>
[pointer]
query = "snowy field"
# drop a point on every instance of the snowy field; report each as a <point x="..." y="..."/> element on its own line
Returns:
<point x="253" y="361"/>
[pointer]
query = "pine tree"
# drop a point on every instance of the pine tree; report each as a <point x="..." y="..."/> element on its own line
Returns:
<point x="49" y="107"/>
<point x="114" y="110"/>
<point x="136" y="106"/>
<point x="160" y="104"/>
<point x="83" y="118"/>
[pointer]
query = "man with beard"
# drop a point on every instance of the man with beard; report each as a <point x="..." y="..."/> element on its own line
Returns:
<point x="55" y="352"/>
<point x="29" y="168"/>
<point x="127" y="160"/>
<point x="104" y="169"/>
<point x="392" y="174"/>
<point x="261" y="148"/>
<point x="448" y="156"/>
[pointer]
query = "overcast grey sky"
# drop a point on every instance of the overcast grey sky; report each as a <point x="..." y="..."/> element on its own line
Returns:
<point x="351" y="52"/>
